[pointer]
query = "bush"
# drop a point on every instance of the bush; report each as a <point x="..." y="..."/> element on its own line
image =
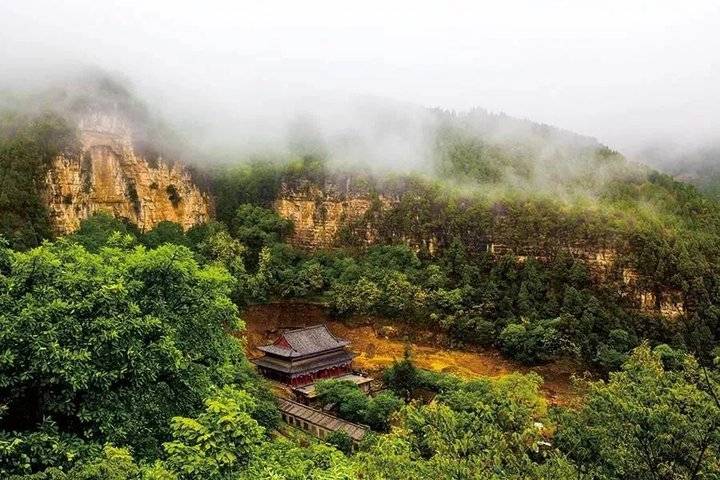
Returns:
<point x="341" y="441"/>
<point x="354" y="405"/>
<point x="539" y="341"/>
<point x="647" y="421"/>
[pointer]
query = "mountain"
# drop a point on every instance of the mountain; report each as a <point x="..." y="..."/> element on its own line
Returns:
<point x="699" y="166"/>
<point x="501" y="187"/>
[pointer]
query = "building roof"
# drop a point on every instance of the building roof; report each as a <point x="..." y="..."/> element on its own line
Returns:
<point x="303" y="365"/>
<point x="322" y="419"/>
<point x="304" y="341"/>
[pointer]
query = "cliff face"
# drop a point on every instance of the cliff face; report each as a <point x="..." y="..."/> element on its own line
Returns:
<point x="110" y="176"/>
<point x="319" y="213"/>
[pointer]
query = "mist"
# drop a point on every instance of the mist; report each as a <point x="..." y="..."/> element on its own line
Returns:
<point x="358" y="80"/>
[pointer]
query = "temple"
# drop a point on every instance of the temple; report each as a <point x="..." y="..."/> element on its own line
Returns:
<point x="301" y="357"/>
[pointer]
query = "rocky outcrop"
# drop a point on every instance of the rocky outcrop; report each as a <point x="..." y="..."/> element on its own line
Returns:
<point x="109" y="175"/>
<point x="319" y="212"/>
<point x="668" y="303"/>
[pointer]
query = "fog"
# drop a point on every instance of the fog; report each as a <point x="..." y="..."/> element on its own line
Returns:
<point x="248" y="74"/>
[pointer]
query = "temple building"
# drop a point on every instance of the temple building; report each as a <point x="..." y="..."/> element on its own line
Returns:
<point x="301" y="357"/>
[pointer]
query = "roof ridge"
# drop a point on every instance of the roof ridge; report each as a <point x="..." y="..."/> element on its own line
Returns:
<point x="308" y="340"/>
<point x="319" y="325"/>
<point x="315" y="410"/>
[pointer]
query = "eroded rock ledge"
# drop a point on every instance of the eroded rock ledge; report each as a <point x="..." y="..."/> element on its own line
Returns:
<point x="320" y="210"/>
<point x="110" y="176"/>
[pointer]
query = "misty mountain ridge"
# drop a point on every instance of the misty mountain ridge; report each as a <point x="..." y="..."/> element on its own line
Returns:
<point x="473" y="153"/>
<point x="699" y="166"/>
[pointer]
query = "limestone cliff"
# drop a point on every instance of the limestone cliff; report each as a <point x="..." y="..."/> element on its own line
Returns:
<point x="109" y="175"/>
<point x="320" y="211"/>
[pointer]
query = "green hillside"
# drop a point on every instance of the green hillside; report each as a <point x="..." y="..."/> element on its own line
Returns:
<point x="121" y="352"/>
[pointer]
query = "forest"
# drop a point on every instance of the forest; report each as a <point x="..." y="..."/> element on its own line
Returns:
<point x="122" y="354"/>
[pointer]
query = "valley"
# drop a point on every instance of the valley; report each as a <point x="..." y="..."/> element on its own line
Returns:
<point x="379" y="342"/>
<point x="137" y="286"/>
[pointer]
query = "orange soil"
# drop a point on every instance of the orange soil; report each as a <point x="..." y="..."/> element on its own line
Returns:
<point x="376" y="351"/>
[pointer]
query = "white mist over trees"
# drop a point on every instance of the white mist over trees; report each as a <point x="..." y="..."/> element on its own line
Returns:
<point x="627" y="73"/>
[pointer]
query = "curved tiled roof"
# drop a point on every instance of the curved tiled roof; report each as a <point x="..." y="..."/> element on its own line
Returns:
<point x="305" y="341"/>
<point x="304" y="365"/>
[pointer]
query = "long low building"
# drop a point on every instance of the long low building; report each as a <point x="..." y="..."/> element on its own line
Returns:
<point x="317" y="422"/>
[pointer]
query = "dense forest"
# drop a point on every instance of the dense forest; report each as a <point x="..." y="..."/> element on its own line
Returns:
<point x="118" y="363"/>
<point x="121" y="351"/>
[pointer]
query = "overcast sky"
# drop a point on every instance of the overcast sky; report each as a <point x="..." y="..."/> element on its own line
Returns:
<point x="624" y="71"/>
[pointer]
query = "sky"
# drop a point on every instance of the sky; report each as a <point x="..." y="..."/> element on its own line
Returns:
<point x="629" y="73"/>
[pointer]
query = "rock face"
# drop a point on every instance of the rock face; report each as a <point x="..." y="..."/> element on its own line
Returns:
<point x="110" y="176"/>
<point x="319" y="212"/>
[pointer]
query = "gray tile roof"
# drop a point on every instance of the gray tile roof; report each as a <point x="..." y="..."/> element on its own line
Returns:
<point x="324" y="420"/>
<point x="303" y="365"/>
<point x="305" y="341"/>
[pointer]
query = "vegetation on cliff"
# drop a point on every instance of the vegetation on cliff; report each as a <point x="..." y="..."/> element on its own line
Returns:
<point x="118" y="363"/>
<point x="118" y="349"/>
<point x="500" y="264"/>
<point x="27" y="145"/>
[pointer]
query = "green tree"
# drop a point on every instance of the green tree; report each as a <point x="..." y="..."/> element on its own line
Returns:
<point x="354" y="405"/>
<point x="219" y="442"/>
<point x="350" y="401"/>
<point x="96" y="230"/>
<point x="536" y="341"/>
<point x="165" y="232"/>
<point x="647" y="422"/>
<point x="257" y="227"/>
<point x="28" y="144"/>
<point x="340" y="440"/>
<point x="284" y="460"/>
<point x="474" y="429"/>
<point x="380" y="409"/>
<point x="403" y="377"/>
<point x="107" y="347"/>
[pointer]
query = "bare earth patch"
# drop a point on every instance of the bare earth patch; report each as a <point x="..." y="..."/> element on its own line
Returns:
<point x="377" y="347"/>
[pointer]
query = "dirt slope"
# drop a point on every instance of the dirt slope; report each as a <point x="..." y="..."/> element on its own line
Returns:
<point x="378" y="346"/>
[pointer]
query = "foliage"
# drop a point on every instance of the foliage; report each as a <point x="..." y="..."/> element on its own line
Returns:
<point x="255" y="181"/>
<point x="354" y="405"/>
<point x="340" y="440"/>
<point x="165" y="232"/>
<point x="257" y="227"/>
<point x="474" y="429"/>
<point x="282" y="460"/>
<point x="108" y="346"/>
<point x="96" y="230"/>
<point x="219" y="442"/>
<point x="535" y="342"/>
<point x="28" y="144"/>
<point x="114" y="343"/>
<point x="403" y="377"/>
<point x="647" y="421"/>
